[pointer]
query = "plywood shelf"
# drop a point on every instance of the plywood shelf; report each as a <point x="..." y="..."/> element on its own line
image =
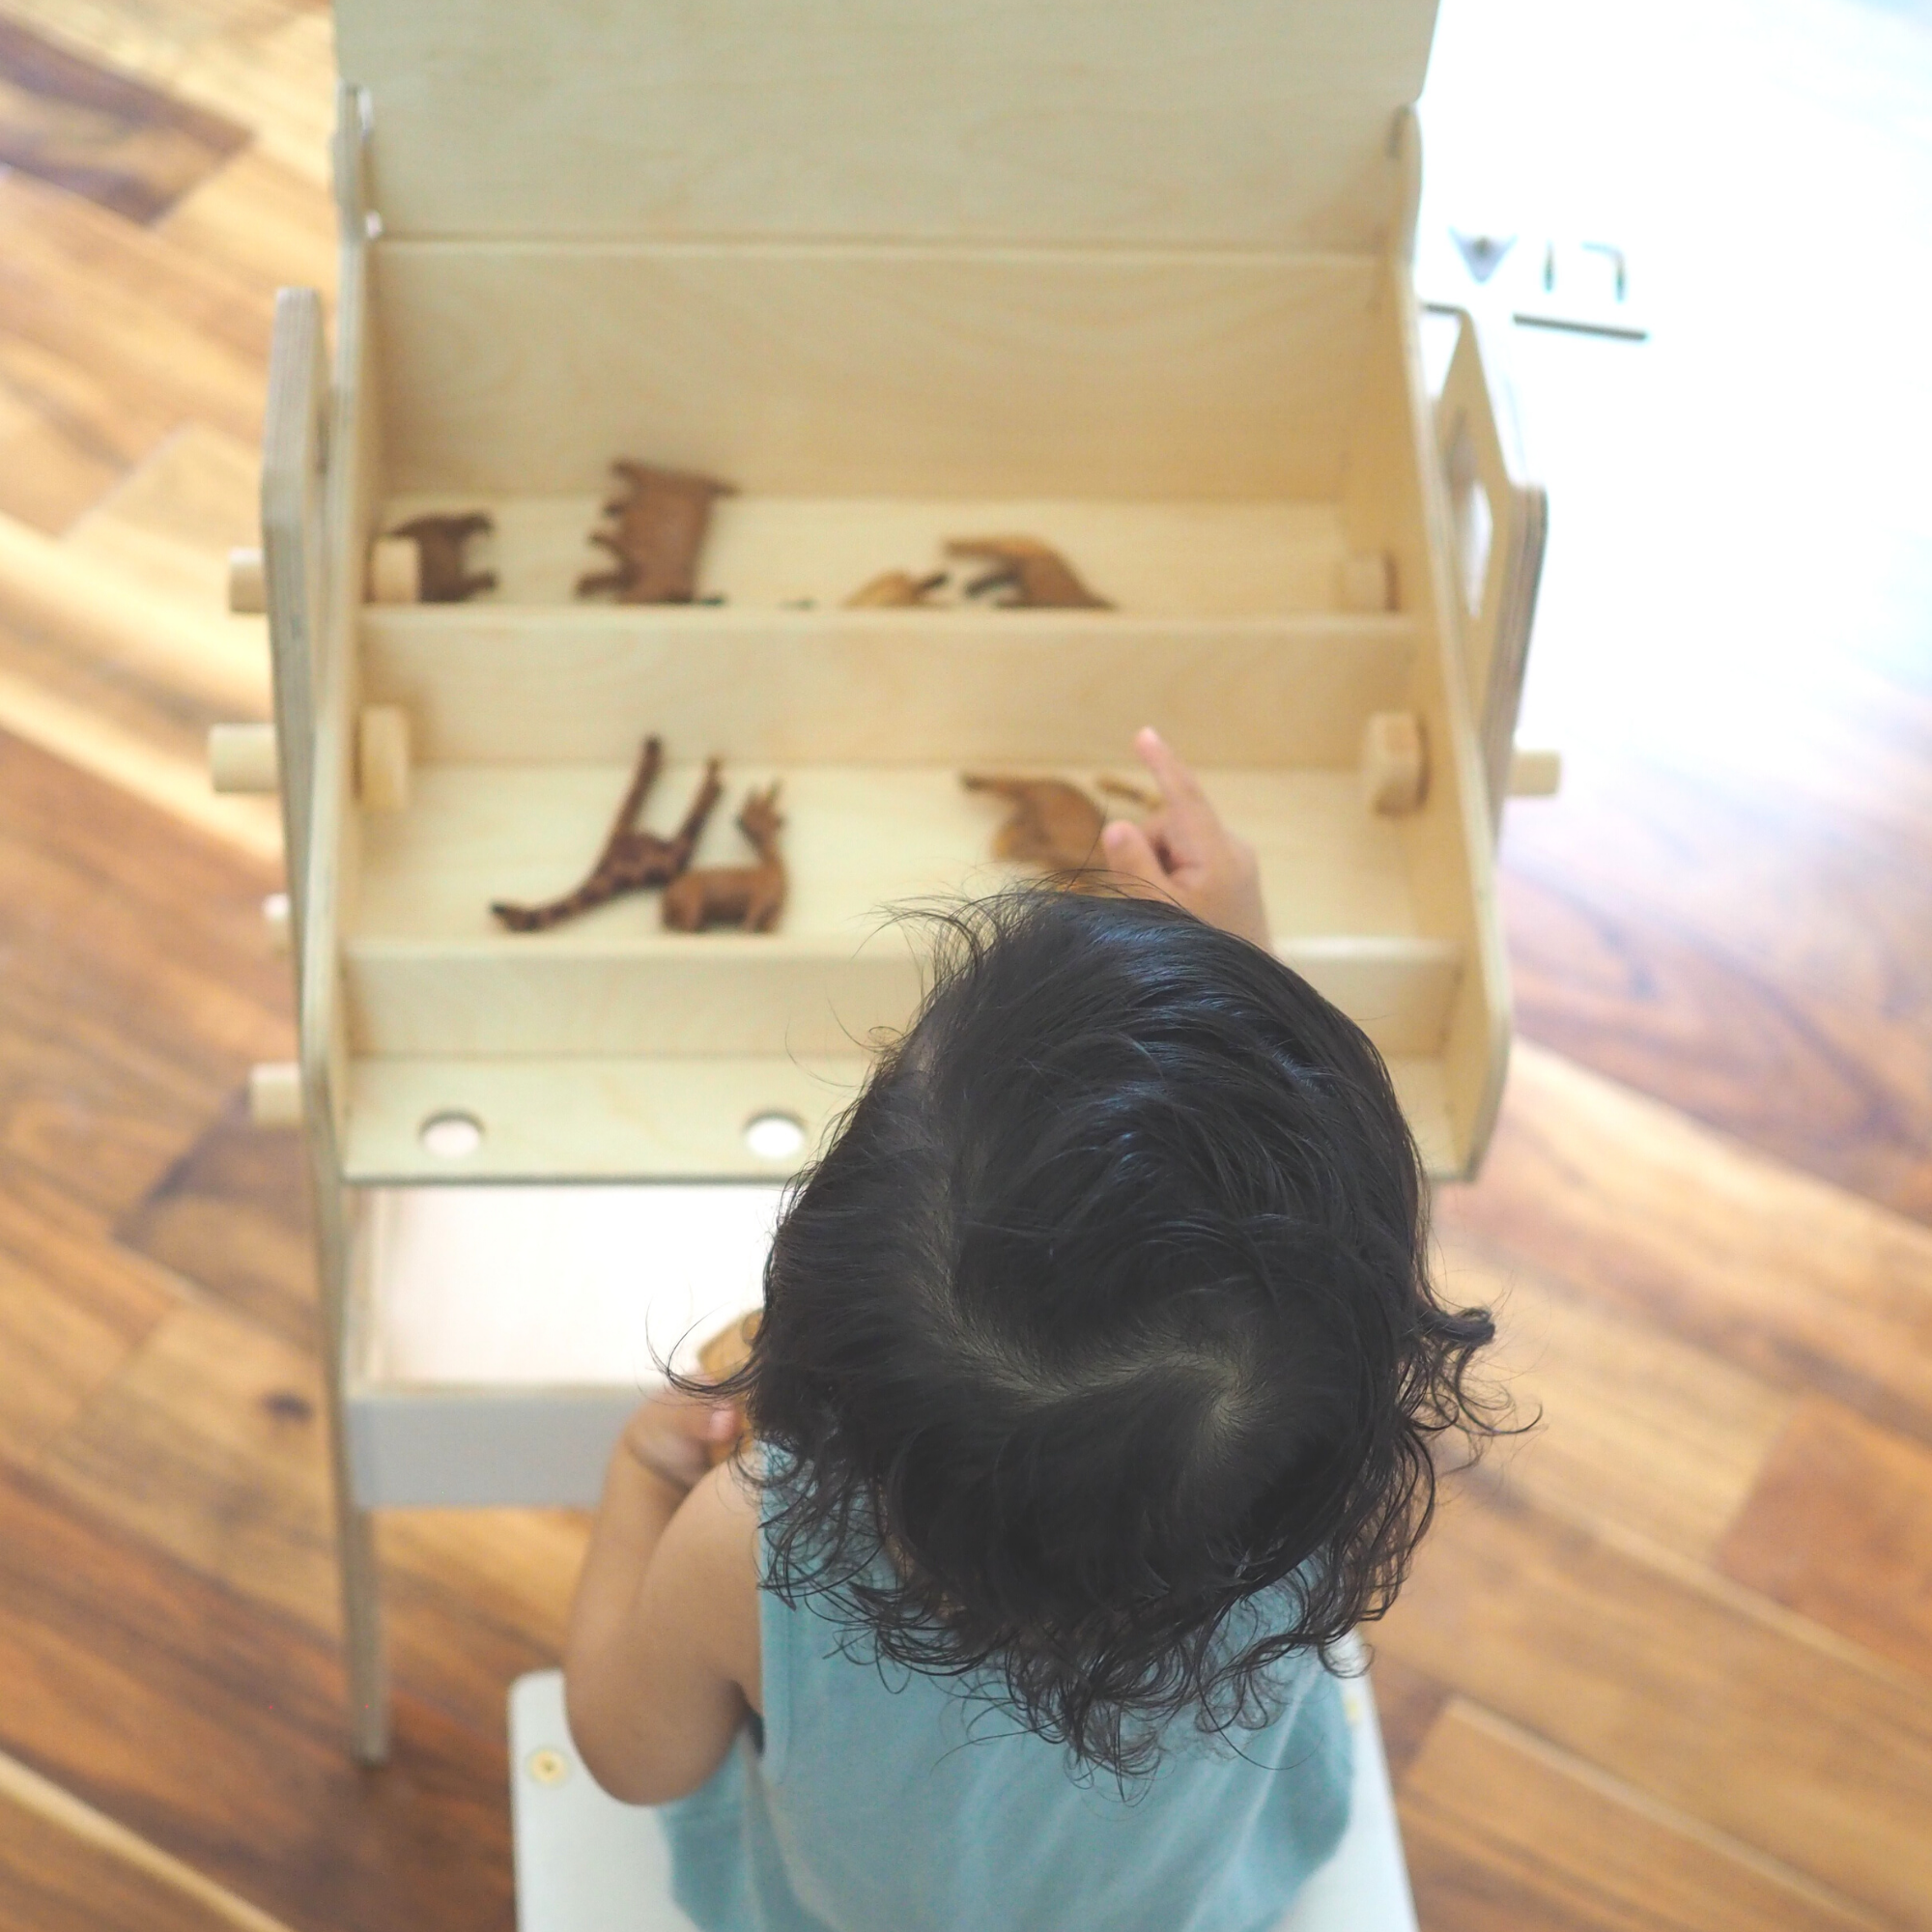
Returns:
<point x="497" y="684"/>
<point x="1150" y="559"/>
<point x="429" y="972"/>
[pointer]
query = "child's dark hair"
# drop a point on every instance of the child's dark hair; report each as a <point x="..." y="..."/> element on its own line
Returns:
<point x="1106" y="1310"/>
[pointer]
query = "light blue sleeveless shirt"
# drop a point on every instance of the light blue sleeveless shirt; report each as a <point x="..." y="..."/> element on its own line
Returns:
<point x="883" y="1800"/>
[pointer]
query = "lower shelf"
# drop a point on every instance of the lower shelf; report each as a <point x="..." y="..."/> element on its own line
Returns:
<point x="502" y="1334"/>
<point x="706" y="1119"/>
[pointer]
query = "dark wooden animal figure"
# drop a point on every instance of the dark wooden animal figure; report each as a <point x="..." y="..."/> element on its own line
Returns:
<point x="1052" y="823"/>
<point x="445" y="577"/>
<point x="661" y="521"/>
<point x="1034" y="576"/>
<point x="749" y="897"/>
<point x="631" y="861"/>
<point x="895" y="588"/>
<point x="721" y="1358"/>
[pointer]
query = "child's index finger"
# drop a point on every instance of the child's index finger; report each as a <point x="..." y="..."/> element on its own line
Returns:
<point x="1177" y="781"/>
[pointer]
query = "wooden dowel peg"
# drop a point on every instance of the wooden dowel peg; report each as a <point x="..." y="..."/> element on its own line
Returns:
<point x="1535" y="774"/>
<point x="383" y="759"/>
<point x="1367" y="583"/>
<point x="1395" y="762"/>
<point x="248" y="586"/>
<point x="276" y="1095"/>
<point x="395" y="570"/>
<point x="242" y="758"/>
<point x="276" y="917"/>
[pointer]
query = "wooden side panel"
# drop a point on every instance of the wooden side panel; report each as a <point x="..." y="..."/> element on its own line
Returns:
<point x="1393" y="501"/>
<point x="524" y="367"/>
<point x="1260" y="126"/>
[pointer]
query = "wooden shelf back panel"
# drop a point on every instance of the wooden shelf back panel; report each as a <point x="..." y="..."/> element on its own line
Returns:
<point x="588" y="1119"/>
<point x="1168" y="560"/>
<point x="1259" y="125"/>
<point x="524" y="368"/>
<point x="1055" y="689"/>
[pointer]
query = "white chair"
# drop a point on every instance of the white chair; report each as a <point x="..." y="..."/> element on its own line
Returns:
<point x="587" y="1863"/>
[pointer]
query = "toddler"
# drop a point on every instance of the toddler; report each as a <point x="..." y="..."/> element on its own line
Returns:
<point x="1092" y="1404"/>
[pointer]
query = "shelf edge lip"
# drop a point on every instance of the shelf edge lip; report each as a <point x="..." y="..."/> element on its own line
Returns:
<point x="782" y="948"/>
<point x="648" y="619"/>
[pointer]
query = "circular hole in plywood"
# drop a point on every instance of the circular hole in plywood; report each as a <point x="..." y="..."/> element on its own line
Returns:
<point x="775" y="1136"/>
<point x="451" y="1136"/>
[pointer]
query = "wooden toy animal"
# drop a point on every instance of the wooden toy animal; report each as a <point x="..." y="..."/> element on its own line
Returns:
<point x="631" y="861"/>
<point x="895" y="587"/>
<point x="749" y="897"/>
<point x="440" y="540"/>
<point x="661" y="521"/>
<point x="722" y="1358"/>
<point x="1035" y="576"/>
<point x="1052" y="823"/>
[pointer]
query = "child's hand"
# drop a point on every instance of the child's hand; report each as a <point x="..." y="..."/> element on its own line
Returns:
<point x="1183" y="852"/>
<point x="674" y="1435"/>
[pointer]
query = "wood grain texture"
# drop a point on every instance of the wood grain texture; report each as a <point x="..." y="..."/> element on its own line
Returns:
<point x="133" y="333"/>
<point x="232" y="1216"/>
<point x="1783" y="1275"/>
<point x="262" y="219"/>
<point x="1736" y="951"/>
<point x="64" y="1865"/>
<point x="1759" y="1725"/>
<point x="208" y="1445"/>
<point x="134" y="150"/>
<point x="1505" y="1834"/>
<point x="131" y="1004"/>
<point x="1100" y="126"/>
<point x="1839" y="1529"/>
<point x="1626" y="1424"/>
<point x="179" y="1709"/>
<point x="71" y="1309"/>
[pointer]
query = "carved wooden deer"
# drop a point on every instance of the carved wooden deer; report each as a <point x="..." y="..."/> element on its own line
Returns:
<point x="661" y="521"/>
<point x="631" y="861"/>
<point x="749" y="897"/>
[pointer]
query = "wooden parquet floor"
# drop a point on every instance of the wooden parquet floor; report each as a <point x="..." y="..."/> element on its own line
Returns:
<point x="1667" y="1661"/>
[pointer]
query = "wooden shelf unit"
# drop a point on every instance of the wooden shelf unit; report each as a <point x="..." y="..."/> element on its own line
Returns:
<point x="1191" y="362"/>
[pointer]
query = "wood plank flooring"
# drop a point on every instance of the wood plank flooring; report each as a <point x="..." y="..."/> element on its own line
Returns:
<point x="1667" y="1658"/>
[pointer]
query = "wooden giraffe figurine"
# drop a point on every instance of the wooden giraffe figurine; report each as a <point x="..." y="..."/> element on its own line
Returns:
<point x="631" y="861"/>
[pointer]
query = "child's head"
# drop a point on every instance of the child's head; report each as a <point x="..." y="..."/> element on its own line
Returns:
<point x="1106" y="1310"/>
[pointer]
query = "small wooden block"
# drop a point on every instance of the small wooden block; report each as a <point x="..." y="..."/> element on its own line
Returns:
<point x="276" y="917"/>
<point x="1367" y="583"/>
<point x="1535" y="774"/>
<point x="242" y="757"/>
<point x="383" y="759"/>
<point x="276" y="1095"/>
<point x="1395" y="762"/>
<point x="248" y="587"/>
<point x="395" y="570"/>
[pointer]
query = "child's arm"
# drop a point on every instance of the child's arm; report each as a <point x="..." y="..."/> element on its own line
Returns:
<point x="662" y="1661"/>
<point x="1183" y="852"/>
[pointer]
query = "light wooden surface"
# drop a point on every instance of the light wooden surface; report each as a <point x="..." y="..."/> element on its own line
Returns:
<point x="1719" y="1166"/>
<point x="864" y="372"/>
<point x="1098" y="124"/>
<point x="1173" y="559"/>
<point x="1055" y="688"/>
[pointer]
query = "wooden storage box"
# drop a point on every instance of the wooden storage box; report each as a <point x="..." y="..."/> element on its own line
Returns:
<point x="1132" y="279"/>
